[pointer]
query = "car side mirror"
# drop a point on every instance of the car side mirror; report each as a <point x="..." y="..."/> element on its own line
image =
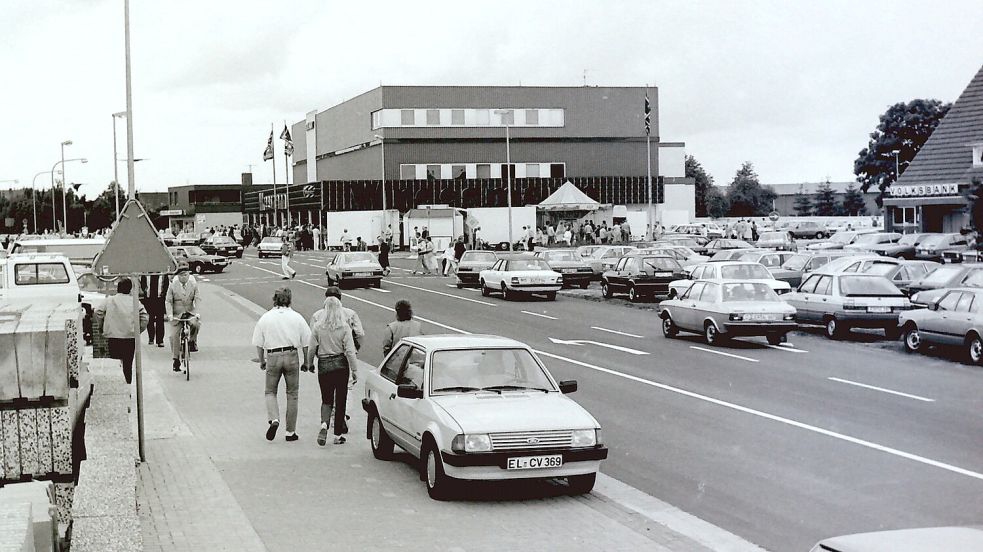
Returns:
<point x="933" y="305"/>
<point x="568" y="386"/>
<point x="409" y="391"/>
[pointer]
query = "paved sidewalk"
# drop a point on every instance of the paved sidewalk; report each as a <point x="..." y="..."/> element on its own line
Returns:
<point x="212" y="482"/>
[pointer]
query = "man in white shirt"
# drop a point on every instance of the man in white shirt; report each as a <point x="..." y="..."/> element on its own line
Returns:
<point x="316" y="232"/>
<point x="281" y="336"/>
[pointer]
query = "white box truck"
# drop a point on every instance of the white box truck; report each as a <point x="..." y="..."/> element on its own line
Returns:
<point x="444" y="224"/>
<point x="494" y="223"/>
<point x="368" y="225"/>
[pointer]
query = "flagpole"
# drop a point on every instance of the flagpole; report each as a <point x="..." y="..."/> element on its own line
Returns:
<point x="648" y="167"/>
<point x="286" y="178"/>
<point x="276" y="203"/>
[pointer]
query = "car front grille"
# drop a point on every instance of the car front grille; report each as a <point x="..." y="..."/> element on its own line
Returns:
<point x="522" y="440"/>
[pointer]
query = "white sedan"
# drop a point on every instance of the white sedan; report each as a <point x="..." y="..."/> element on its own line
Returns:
<point x="518" y="275"/>
<point x="479" y="408"/>
<point x="729" y="270"/>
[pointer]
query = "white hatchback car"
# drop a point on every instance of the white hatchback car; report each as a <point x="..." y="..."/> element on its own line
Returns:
<point x="520" y="274"/>
<point x="479" y="408"/>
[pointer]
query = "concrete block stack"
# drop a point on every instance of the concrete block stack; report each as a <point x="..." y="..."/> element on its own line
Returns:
<point x="41" y="368"/>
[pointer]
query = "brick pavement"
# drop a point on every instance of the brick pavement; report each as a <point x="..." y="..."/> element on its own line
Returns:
<point x="212" y="482"/>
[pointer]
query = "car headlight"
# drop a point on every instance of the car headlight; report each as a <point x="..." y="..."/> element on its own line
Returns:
<point x="515" y="281"/>
<point x="473" y="443"/>
<point x="789" y="316"/>
<point x="584" y="438"/>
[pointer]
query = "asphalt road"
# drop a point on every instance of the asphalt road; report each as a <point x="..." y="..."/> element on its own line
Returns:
<point x="780" y="445"/>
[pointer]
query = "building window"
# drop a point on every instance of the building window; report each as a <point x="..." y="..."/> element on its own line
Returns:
<point x="506" y="117"/>
<point x="482" y="117"/>
<point x="532" y="116"/>
<point x="407" y="172"/>
<point x="558" y="170"/>
<point x="458" y="172"/>
<point x="532" y="170"/>
<point x="508" y="172"/>
<point x="483" y="170"/>
<point x="906" y="216"/>
<point x="433" y="117"/>
<point x="407" y="117"/>
<point x="457" y="116"/>
<point x="433" y="172"/>
<point x="376" y="119"/>
<point x="556" y="118"/>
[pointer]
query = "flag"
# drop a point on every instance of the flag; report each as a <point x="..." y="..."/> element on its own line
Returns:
<point x="648" y="115"/>
<point x="268" y="152"/>
<point x="288" y="143"/>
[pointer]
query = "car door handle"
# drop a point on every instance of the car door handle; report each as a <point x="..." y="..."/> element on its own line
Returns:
<point x="392" y="396"/>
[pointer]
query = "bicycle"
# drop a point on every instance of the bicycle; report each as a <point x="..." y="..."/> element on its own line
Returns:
<point x="185" y="342"/>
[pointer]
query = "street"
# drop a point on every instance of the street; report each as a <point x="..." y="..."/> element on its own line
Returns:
<point x="781" y="445"/>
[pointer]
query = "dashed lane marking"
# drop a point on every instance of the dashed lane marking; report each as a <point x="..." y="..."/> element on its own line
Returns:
<point x="883" y="390"/>
<point x="721" y="353"/>
<point x="539" y="315"/>
<point x="617" y="332"/>
<point x="380" y="290"/>
<point x="788" y="348"/>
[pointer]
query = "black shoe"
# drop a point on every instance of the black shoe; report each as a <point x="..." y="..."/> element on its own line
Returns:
<point x="271" y="431"/>
<point x="293" y="437"/>
<point x="322" y="436"/>
<point x="160" y="344"/>
<point x="193" y="346"/>
<point x="177" y="365"/>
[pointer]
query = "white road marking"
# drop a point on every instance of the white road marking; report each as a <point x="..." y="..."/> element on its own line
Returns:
<point x="539" y="315"/>
<point x="779" y="419"/>
<point x="898" y="393"/>
<point x="597" y="343"/>
<point x="721" y="353"/>
<point x="617" y="332"/>
<point x="787" y="348"/>
<point x="380" y="290"/>
<point x="787" y="421"/>
<point x="486" y="303"/>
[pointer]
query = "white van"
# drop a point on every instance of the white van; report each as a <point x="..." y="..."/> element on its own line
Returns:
<point x="40" y="277"/>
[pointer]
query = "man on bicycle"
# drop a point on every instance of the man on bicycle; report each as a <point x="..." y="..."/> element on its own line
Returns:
<point x="181" y="302"/>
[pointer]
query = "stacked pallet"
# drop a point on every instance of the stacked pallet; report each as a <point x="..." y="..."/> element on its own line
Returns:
<point x="41" y="349"/>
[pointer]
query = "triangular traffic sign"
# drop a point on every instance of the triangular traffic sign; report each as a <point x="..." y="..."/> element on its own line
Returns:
<point x="134" y="247"/>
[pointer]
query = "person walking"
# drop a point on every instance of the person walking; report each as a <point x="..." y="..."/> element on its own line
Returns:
<point x="280" y="335"/>
<point x="421" y="258"/>
<point x="567" y="236"/>
<point x="331" y="343"/>
<point x="384" y="257"/>
<point x="153" y="290"/>
<point x="181" y="301"/>
<point x="447" y="260"/>
<point x="117" y="326"/>
<point x="550" y="235"/>
<point x="459" y="248"/>
<point x="286" y="251"/>
<point x="358" y="332"/>
<point x="316" y="236"/>
<point x="403" y="326"/>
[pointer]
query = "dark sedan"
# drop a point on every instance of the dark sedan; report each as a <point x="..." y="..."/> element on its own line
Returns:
<point x="726" y="245"/>
<point x="933" y="247"/>
<point x="933" y="286"/>
<point x="575" y="270"/>
<point x="471" y="265"/>
<point x="798" y="266"/>
<point x="198" y="261"/>
<point x="222" y="245"/>
<point x="641" y="276"/>
<point x="779" y="241"/>
<point x="903" y="249"/>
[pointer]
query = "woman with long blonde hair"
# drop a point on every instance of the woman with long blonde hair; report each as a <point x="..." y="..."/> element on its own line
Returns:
<point x="333" y="345"/>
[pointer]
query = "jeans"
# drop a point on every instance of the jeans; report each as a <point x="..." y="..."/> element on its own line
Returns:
<point x="334" y="394"/>
<point x="123" y="349"/>
<point x="287" y="365"/>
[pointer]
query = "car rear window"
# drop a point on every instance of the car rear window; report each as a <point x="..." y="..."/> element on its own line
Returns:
<point x="796" y="262"/>
<point x="363" y="257"/>
<point x="33" y="274"/>
<point x="769" y="236"/>
<point x="748" y="271"/>
<point x="748" y="291"/>
<point x="562" y="256"/>
<point x="478" y="257"/>
<point x="867" y="286"/>
<point x="528" y="264"/>
<point x="941" y="276"/>
<point x="661" y="264"/>
<point x="974" y="279"/>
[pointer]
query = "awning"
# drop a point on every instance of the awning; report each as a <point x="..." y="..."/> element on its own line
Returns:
<point x="568" y="198"/>
<point x="955" y="201"/>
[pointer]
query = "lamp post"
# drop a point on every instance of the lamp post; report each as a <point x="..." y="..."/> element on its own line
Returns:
<point x="64" y="191"/>
<point x="116" y="161"/>
<point x="382" y="144"/>
<point x="897" y="165"/>
<point x="34" y="202"/>
<point x="54" y="214"/>
<point x="508" y="169"/>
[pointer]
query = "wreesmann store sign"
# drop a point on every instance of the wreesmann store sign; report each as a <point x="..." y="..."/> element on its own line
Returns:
<point x="924" y="190"/>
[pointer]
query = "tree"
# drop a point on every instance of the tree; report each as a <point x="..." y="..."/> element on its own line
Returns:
<point x="717" y="204"/>
<point x="803" y="203"/>
<point x="903" y="128"/>
<point x="746" y="195"/>
<point x="825" y="202"/>
<point x="853" y="202"/>
<point x="704" y="183"/>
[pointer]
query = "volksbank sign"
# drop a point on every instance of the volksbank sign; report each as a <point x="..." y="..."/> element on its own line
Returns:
<point x="924" y="190"/>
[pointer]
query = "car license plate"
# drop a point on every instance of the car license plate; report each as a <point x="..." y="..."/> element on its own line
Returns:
<point x="363" y="274"/>
<point x="879" y="309"/>
<point x="535" y="462"/>
<point x="663" y="274"/>
<point x="760" y="316"/>
<point x="569" y="270"/>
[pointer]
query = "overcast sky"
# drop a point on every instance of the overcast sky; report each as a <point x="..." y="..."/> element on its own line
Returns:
<point x="794" y="87"/>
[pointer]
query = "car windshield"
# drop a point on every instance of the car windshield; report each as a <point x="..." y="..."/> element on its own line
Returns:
<point x="660" y="264"/>
<point x="748" y="291"/>
<point x="188" y="236"/>
<point x="271" y="240"/>
<point x="909" y="239"/>
<point x="194" y="250"/>
<point x="749" y="271"/>
<point x="499" y="370"/>
<point x="562" y="256"/>
<point x="685" y="251"/>
<point x="975" y="279"/>
<point x="796" y="262"/>
<point x="773" y="236"/>
<point x="941" y="276"/>
<point x="867" y="286"/>
<point x="360" y="257"/>
<point x="843" y="237"/>
<point x="224" y="240"/>
<point x="880" y="269"/>
<point x="528" y="264"/>
<point x="934" y="240"/>
<point x="478" y="257"/>
<point x="868" y="239"/>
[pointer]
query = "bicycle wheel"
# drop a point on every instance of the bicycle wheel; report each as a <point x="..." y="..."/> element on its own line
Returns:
<point x="185" y="350"/>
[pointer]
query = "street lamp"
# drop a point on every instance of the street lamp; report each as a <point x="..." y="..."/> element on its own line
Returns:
<point x="897" y="166"/>
<point x="508" y="167"/>
<point x="382" y="144"/>
<point x="34" y="203"/>
<point x="54" y="214"/>
<point x="64" y="194"/>
<point x="116" y="161"/>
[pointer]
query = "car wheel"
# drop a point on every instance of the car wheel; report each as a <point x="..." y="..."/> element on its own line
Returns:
<point x="669" y="328"/>
<point x="820" y="235"/>
<point x="606" y="290"/>
<point x="974" y="349"/>
<point x="633" y="295"/>
<point x="912" y="339"/>
<point x="438" y="484"/>
<point x="382" y="444"/>
<point x="551" y="296"/>
<point x="834" y="329"/>
<point x="584" y="285"/>
<point x="485" y="292"/>
<point x="712" y="334"/>
<point x="460" y="285"/>
<point x="581" y="484"/>
<point x="672" y="294"/>
<point x="198" y="269"/>
<point x="775" y="339"/>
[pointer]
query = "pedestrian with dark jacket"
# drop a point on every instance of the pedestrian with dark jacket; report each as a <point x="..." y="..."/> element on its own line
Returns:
<point x="153" y="291"/>
<point x="384" y="257"/>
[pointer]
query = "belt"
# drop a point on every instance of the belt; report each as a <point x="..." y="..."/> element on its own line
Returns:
<point x="281" y="349"/>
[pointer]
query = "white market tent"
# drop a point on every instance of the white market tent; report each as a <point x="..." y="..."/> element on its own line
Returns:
<point x="568" y="198"/>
